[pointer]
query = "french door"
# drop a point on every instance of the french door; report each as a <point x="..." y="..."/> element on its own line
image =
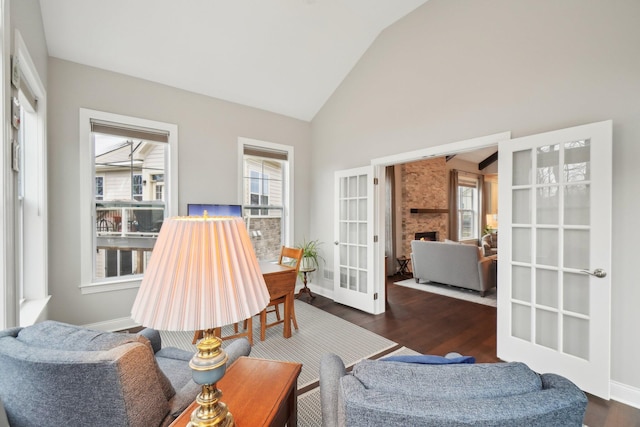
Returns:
<point x="353" y="252"/>
<point x="554" y="255"/>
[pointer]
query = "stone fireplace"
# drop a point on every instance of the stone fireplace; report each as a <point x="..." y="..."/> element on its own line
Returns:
<point x="425" y="202"/>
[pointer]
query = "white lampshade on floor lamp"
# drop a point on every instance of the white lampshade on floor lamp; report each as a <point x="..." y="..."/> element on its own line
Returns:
<point x="203" y="274"/>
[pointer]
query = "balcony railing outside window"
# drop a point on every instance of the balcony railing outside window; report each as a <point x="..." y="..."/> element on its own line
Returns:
<point x="126" y="232"/>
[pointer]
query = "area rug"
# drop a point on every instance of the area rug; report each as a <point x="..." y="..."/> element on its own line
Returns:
<point x="489" y="299"/>
<point x="319" y="332"/>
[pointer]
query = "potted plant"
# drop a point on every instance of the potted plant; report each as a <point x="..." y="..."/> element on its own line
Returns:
<point x="310" y="254"/>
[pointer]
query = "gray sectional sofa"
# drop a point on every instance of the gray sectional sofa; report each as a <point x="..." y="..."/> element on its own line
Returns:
<point x="455" y="264"/>
<point x="402" y="394"/>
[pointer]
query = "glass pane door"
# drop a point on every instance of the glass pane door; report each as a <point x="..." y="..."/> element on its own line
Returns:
<point x="553" y="312"/>
<point x="353" y="260"/>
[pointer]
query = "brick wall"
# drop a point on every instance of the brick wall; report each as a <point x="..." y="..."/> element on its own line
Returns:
<point x="424" y="186"/>
<point x="269" y="244"/>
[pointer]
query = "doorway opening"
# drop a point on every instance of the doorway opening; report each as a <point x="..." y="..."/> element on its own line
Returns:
<point x="407" y="207"/>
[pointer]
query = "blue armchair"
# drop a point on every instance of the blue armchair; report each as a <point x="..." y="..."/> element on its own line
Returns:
<point x="54" y="374"/>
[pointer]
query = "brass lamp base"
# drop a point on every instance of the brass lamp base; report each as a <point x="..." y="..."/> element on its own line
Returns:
<point x="209" y="365"/>
<point x="211" y="411"/>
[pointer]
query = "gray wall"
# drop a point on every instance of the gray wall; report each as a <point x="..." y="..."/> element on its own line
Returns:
<point x="454" y="70"/>
<point x="26" y="17"/>
<point x="208" y="132"/>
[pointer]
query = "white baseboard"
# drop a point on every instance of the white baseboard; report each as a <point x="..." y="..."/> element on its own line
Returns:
<point x="113" y="325"/>
<point x="626" y="394"/>
<point x="317" y="289"/>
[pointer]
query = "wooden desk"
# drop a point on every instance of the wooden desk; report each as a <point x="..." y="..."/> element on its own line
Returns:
<point x="258" y="392"/>
<point x="281" y="281"/>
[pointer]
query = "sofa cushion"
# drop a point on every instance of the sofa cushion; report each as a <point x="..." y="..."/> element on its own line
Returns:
<point x="448" y="381"/>
<point x="62" y="336"/>
<point x="428" y="359"/>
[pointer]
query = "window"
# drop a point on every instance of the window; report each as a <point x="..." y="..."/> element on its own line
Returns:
<point x="126" y="160"/>
<point x="136" y="187"/>
<point x="265" y="192"/>
<point x="159" y="192"/>
<point x="29" y="204"/>
<point x="157" y="181"/>
<point x="99" y="187"/>
<point x="468" y="208"/>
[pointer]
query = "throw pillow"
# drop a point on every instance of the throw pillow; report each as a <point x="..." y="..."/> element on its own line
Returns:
<point x="428" y="359"/>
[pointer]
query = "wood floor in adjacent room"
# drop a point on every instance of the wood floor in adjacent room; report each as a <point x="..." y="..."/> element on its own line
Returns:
<point x="434" y="324"/>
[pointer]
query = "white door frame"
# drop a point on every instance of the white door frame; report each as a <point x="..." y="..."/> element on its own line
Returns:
<point x="379" y="165"/>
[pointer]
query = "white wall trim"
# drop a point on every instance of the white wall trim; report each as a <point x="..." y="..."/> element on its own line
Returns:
<point x="113" y="325"/>
<point x="626" y="394"/>
<point x="119" y="285"/>
<point x="443" y="149"/>
<point x="321" y="290"/>
<point x="32" y="311"/>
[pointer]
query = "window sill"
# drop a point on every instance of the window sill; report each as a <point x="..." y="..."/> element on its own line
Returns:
<point x="31" y="310"/>
<point x="98" y="287"/>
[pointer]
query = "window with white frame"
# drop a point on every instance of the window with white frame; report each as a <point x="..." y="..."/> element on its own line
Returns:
<point x="127" y="157"/>
<point x="30" y="200"/>
<point x="266" y="189"/>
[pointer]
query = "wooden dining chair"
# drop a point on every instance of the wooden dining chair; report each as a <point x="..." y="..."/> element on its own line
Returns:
<point x="290" y="257"/>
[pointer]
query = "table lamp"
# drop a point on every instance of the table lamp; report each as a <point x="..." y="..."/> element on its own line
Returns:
<point x="203" y="274"/>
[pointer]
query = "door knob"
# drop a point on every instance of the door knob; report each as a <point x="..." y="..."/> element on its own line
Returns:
<point x="598" y="272"/>
<point x="336" y="243"/>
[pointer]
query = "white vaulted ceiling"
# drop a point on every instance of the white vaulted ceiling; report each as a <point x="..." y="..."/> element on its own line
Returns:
<point x="284" y="56"/>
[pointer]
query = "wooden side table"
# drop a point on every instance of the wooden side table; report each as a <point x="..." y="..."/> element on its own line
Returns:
<point x="305" y="289"/>
<point x="258" y="392"/>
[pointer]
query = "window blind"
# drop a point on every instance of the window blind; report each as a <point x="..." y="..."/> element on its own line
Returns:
<point x="126" y="131"/>
<point x="250" y="150"/>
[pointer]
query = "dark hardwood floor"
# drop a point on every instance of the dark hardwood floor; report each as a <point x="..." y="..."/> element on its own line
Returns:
<point x="435" y="324"/>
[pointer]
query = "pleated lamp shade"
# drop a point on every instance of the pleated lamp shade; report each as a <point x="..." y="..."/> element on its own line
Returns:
<point x="203" y="273"/>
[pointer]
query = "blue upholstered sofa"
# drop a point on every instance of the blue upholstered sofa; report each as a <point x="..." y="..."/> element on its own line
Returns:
<point x="407" y="394"/>
<point x="55" y="374"/>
